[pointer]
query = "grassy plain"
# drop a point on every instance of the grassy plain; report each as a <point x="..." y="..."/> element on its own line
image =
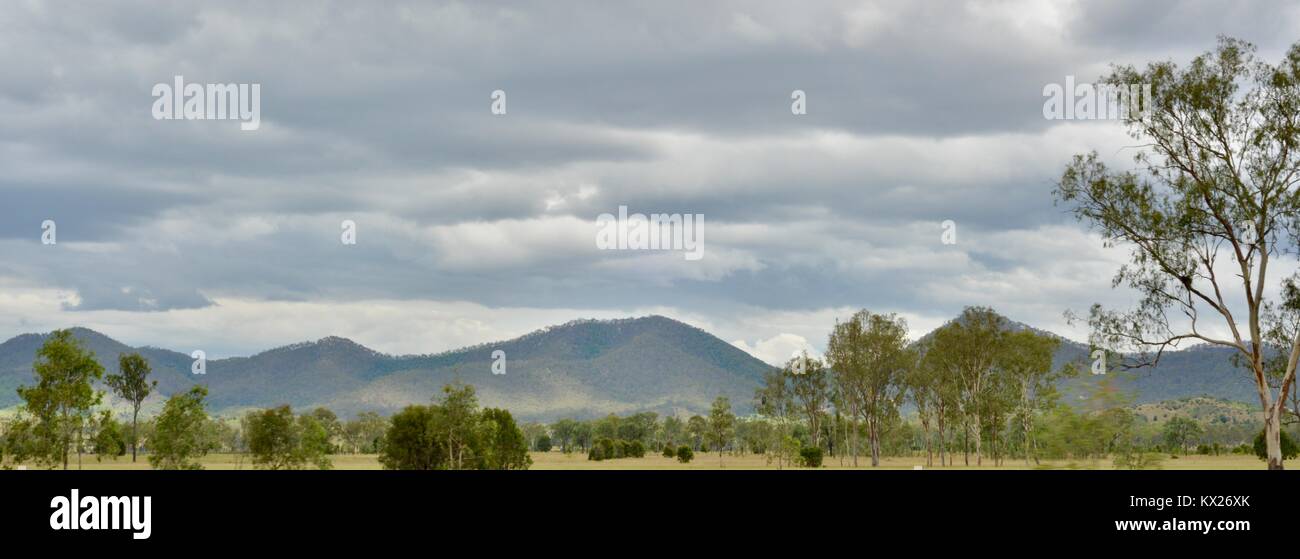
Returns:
<point x="578" y="461"/>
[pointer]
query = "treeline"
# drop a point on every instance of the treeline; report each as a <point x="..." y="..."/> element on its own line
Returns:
<point x="62" y="416"/>
<point x="975" y="390"/>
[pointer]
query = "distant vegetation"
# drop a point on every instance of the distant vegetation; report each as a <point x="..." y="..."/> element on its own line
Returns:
<point x="976" y="391"/>
<point x="60" y="418"/>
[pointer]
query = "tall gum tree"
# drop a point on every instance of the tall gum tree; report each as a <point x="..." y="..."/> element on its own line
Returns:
<point x="1212" y="201"/>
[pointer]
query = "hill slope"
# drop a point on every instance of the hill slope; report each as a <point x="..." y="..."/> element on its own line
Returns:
<point x="582" y="368"/>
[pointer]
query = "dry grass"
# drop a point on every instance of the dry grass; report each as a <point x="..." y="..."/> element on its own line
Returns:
<point x="578" y="461"/>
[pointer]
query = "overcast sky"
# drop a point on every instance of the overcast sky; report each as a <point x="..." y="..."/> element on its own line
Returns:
<point x="473" y="227"/>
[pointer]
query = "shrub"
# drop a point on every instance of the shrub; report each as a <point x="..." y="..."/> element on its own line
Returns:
<point x="1289" y="449"/>
<point x="810" y="457"/>
<point x="609" y="449"/>
<point x="684" y="454"/>
<point x="543" y="444"/>
<point x="670" y="451"/>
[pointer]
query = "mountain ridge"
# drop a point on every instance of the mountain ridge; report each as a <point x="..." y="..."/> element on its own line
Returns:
<point x="582" y="368"/>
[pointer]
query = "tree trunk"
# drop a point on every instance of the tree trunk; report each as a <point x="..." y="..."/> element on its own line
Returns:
<point x="1272" y="437"/>
<point x="1025" y="422"/>
<point x="875" y="443"/>
<point x="942" y="439"/>
<point x="135" y="441"/>
<point x="978" y="439"/>
<point x="929" y="455"/>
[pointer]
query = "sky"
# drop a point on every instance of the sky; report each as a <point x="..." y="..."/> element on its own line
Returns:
<point x="472" y="226"/>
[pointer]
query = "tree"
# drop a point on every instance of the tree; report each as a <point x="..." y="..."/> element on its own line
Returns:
<point x="503" y="444"/>
<point x="967" y="350"/>
<point x="1289" y="448"/>
<point x="414" y="441"/>
<point x="62" y="399"/>
<point x="178" y="440"/>
<point x="1216" y="198"/>
<point x="334" y="430"/>
<point x="273" y="438"/>
<point x="696" y="428"/>
<point x="565" y="431"/>
<point x="722" y="423"/>
<point x="109" y="441"/>
<point x="1179" y="432"/>
<point x="870" y="357"/>
<point x="684" y="454"/>
<point x="672" y="432"/>
<point x="458" y="417"/>
<point x="133" y="385"/>
<point x="810" y="387"/>
<point x="314" y="446"/>
<point x="774" y="400"/>
<point x="365" y="433"/>
<point x="1026" y="363"/>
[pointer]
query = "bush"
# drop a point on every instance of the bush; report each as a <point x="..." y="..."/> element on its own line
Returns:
<point x="543" y="444"/>
<point x="609" y="449"/>
<point x="670" y="451"/>
<point x="684" y="454"/>
<point x="810" y="457"/>
<point x="1289" y="449"/>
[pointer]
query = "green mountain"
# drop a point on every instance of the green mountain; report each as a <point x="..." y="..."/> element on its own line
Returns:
<point x="583" y="368"/>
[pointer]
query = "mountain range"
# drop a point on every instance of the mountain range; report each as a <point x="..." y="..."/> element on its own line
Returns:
<point x="583" y="368"/>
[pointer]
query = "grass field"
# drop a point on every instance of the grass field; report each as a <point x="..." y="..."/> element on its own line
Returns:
<point x="578" y="461"/>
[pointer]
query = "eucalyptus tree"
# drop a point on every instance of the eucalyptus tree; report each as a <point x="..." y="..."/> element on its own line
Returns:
<point x="133" y="385"/>
<point x="810" y="388"/>
<point x="61" y="401"/>
<point x="1213" y="200"/>
<point x="870" y="356"/>
<point x="966" y="350"/>
<point x="1026" y="364"/>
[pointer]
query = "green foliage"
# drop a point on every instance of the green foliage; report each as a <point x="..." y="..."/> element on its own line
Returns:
<point x="684" y="454"/>
<point x="178" y="440"/>
<point x="60" y="403"/>
<point x="1179" y="432"/>
<point x="272" y="438"/>
<point x="543" y="444"/>
<point x="810" y="457"/>
<point x="870" y="357"/>
<point x="669" y="451"/>
<point x="609" y="449"/>
<point x="1289" y="448"/>
<point x="109" y="441"/>
<point x="1213" y="189"/>
<point x="722" y="424"/>
<point x="133" y="385"/>
<point x="414" y="441"/>
<point x="279" y="441"/>
<point x="502" y="443"/>
<point x="314" y="445"/>
<point x="365" y="433"/>
<point x="454" y="434"/>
